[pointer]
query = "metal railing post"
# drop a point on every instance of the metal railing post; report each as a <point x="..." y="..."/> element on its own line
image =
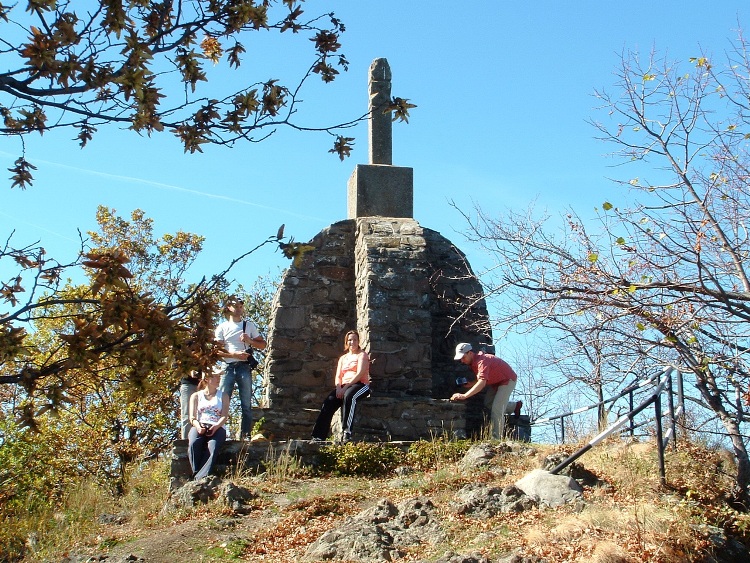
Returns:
<point x="670" y="404"/>
<point x="562" y="429"/>
<point x="630" y="404"/>
<point x="659" y="438"/>
<point x="680" y="398"/>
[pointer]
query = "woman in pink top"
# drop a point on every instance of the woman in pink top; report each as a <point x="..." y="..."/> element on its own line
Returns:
<point x="352" y="383"/>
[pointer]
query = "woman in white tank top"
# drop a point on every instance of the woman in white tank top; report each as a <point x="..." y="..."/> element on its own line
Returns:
<point x="209" y="410"/>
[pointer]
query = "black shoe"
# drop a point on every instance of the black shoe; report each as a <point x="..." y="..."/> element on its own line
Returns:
<point x="346" y="437"/>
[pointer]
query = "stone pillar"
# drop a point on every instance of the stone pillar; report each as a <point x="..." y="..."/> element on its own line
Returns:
<point x="393" y="298"/>
<point x="409" y="292"/>
<point x="378" y="188"/>
<point x="380" y="123"/>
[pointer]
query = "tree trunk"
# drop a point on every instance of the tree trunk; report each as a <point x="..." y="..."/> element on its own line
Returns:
<point x="706" y="384"/>
<point x="602" y="413"/>
<point x="741" y="493"/>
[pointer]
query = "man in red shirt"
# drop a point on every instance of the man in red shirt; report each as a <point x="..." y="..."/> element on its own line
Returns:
<point x="493" y="373"/>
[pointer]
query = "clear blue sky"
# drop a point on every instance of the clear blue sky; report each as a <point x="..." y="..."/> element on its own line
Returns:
<point x="504" y="90"/>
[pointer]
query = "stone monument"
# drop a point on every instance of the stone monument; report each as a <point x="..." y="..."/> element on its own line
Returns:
<point x="406" y="289"/>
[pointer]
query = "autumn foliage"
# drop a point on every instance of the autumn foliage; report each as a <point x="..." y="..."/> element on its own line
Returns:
<point x="142" y="65"/>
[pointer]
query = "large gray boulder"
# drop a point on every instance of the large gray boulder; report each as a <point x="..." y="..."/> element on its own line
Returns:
<point x="480" y="455"/>
<point x="211" y="488"/>
<point x="551" y="490"/>
<point x="481" y="501"/>
<point x="194" y="493"/>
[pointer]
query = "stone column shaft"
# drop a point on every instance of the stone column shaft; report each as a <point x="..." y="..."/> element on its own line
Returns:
<point x="380" y="124"/>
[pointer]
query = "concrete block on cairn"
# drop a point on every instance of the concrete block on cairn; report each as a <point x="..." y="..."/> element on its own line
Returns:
<point x="381" y="190"/>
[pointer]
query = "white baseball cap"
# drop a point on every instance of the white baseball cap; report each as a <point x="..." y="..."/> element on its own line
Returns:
<point x="461" y="350"/>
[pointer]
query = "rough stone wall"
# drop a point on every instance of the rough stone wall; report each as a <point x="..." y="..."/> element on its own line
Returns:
<point x="405" y="289"/>
<point x="312" y="309"/>
<point x="389" y="418"/>
<point x="393" y="296"/>
<point x="458" y="312"/>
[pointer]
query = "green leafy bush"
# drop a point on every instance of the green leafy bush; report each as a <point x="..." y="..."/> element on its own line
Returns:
<point x="360" y="458"/>
<point x="258" y="426"/>
<point x="31" y="484"/>
<point x="431" y="454"/>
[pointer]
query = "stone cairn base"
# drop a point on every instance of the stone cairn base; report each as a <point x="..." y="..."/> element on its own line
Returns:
<point x="378" y="419"/>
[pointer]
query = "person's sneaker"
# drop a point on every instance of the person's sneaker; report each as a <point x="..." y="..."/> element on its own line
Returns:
<point x="346" y="437"/>
<point x="517" y="410"/>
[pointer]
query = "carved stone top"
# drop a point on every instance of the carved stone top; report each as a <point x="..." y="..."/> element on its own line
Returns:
<point x="379" y="188"/>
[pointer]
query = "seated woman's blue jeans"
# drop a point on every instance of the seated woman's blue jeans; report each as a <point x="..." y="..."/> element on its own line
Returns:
<point x="202" y="451"/>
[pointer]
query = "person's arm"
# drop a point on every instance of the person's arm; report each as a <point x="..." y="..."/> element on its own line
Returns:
<point x="193" y="413"/>
<point x="259" y="343"/>
<point x="339" y="377"/>
<point x="476" y="388"/>
<point x="222" y="353"/>
<point x="252" y="337"/>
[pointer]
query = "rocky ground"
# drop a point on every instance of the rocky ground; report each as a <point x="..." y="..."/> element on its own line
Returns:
<point x="479" y="509"/>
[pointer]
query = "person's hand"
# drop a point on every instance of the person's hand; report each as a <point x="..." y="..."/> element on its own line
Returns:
<point x="458" y="397"/>
<point x="340" y="392"/>
<point x="201" y="431"/>
<point x="210" y="431"/>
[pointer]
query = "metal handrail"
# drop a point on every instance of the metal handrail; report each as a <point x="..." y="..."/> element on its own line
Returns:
<point x="662" y="441"/>
<point x="633" y="387"/>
